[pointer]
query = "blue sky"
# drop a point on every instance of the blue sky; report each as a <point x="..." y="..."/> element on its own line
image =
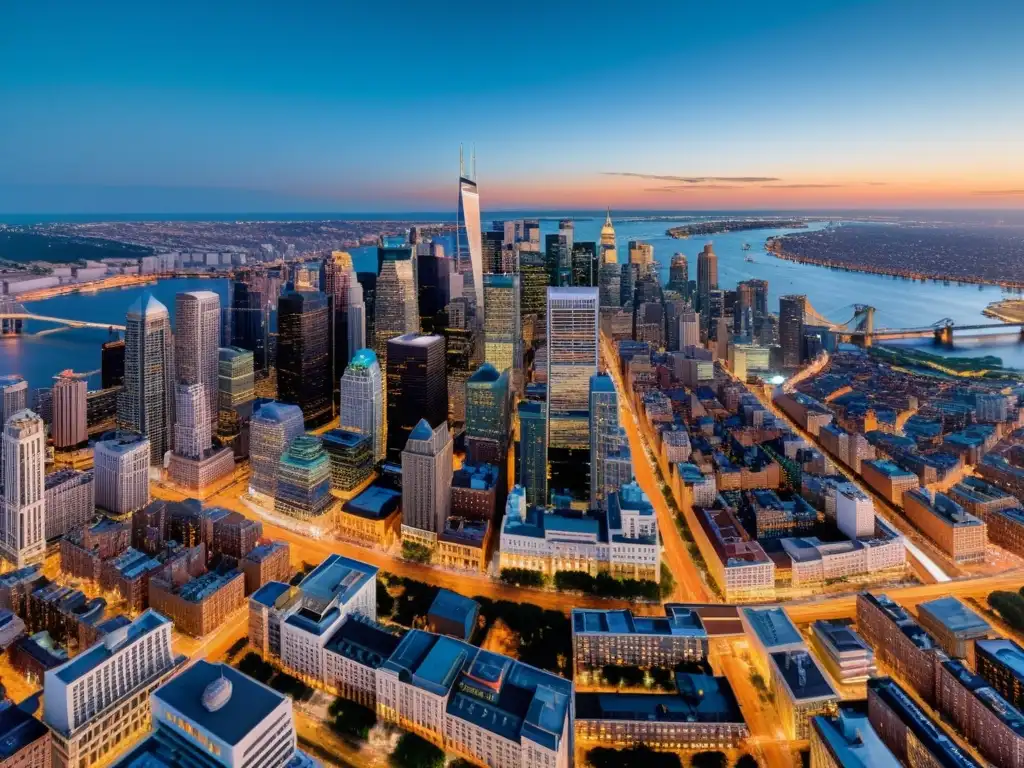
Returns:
<point x="309" y="105"/>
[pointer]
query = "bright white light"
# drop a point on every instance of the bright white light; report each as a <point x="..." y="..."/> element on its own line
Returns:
<point x="776" y="380"/>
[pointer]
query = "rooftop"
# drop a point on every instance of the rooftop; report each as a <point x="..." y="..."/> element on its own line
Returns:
<point x="976" y="489"/>
<point x="698" y="699"/>
<point x="375" y="502"/>
<point x="840" y="635"/>
<point x="198" y="589"/>
<point x="802" y="675"/>
<point x="943" y="507"/>
<point x="363" y="641"/>
<point x="890" y="468"/>
<point x="363" y="358"/>
<point x="1005" y="651"/>
<point x="262" y="551"/>
<point x="601" y="383"/>
<point x="486" y="373"/>
<point x="901" y="619"/>
<point x="148" y="621"/>
<point x="679" y="621"/>
<point x="453" y="607"/>
<point x="772" y="626"/>
<point x="987" y="696"/>
<point x="955" y="616"/>
<point x="337" y="578"/>
<point x="18" y="729"/>
<point x="343" y="438"/>
<point x="247" y="705"/>
<point x="279" y="412"/>
<point x="270" y="593"/>
<point x="852" y="741"/>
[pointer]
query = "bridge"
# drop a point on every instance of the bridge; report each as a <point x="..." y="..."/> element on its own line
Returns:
<point x="860" y="329"/>
<point x="13" y="315"/>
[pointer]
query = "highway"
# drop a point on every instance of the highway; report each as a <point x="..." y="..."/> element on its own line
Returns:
<point x="689" y="585"/>
<point x="59" y="320"/>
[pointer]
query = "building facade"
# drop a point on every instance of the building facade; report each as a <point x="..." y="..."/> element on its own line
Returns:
<point x="427" y="477"/>
<point x="304" y="480"/>
<point x="196" y="340"/>
<point x="416" y="388"/>
<point x="304" y="354"/>
<point x="362" y="400"/>
<point x="273" y="427"/>
<point x="22" y="525"/>
<point x="146" y="403"/>
<point x="121" y="469"/>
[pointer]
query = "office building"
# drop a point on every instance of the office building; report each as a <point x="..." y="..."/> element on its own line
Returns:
<point x="70" y="501"/>
<point x="888" y="479"/>
<point x="433" y="272"/>
<point x="791" y="329"/>
<point x="97" y="702"/>
<point x="689" y="330"/>
<point x="453" y="615"/>
<point x="488" y="415"/>
<point x="847" y="740"/>
<point x="427" y="477"/>
<point x="396" y="309"/>
<point x="769" y="630"/>
<point x="955" y="626"/>
<point x="213" y="715"/>
<point x="958" y="533"/>
<point x="533" y="451"/>
<point x="707" y="279"/>
<point x="604" y="435"/>
<point x="846" y="656"/>
<point x="416" y="388"/>
<point x="22" y="524"/>
<point x="351" y="458"/>
<point x="304" y="479"/>
<point x="338" y="281"/>
<point x="602" y="637"/>
<point x="503" y="322"/>
<point x="855" y="514"/>
<point x="235" y="398"/>
<point x="69" y="427"/>
<point x="355" y="326"/>
<point x="899" y="642"/>
<point x="751" y="307"/>
<point x="1001" y="663"/>
<point x="802" y="691"/>
<point x="362" y="400"/>
<point x="24" y="741"/>
<point x="13" y="396"/>
<point x="476" y="703"/>
<point x="701" y="714"/>
<point x="269" y="561"/>
<point x="121" y="469"/>
<point x="373" y="518"/>
<point x="572" y="336"/>
<point x="558" y="258"/>
<point x="195" y="464"/>
<point x="468" y="237"/>
<point x="196" y="340"/>
<point x="474" y="491"/>
<point x="253" y="310"/>
<point x="304" y="354"/>
<point x="112" y="364"/>
<point x="272" y="430"/>
<point x="145" y="404"/>
<point x="584" y="265"/>
<point x="533" y="286"/>
<point x="909" y="733"/>
<point x="679" y="275"/>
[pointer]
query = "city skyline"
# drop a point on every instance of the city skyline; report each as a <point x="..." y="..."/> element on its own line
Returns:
<point x="797" y="105"/>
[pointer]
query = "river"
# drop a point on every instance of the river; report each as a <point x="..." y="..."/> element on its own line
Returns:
<point x="899" y="303"/>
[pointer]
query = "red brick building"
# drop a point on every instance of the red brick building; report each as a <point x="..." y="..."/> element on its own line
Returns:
<point x="899" y="642"/>
<point x="270" y="561"/>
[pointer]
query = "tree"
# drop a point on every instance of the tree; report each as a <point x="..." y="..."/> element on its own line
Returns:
<point x="523" y="577"/>
<point x="414" y="752"/>
<point x="709" y="760"/>
<point x="416" y="552"/>
<point x="1010" y="606"/>
<point x="746" y="761"/>
<point x="385" y="602"/>
<point x="642" y="755"/>
<point x="668" y="582"/>
<point x="351" y="719"/>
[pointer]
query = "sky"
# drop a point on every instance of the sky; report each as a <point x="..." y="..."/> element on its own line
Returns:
<point x="316" y="105"/>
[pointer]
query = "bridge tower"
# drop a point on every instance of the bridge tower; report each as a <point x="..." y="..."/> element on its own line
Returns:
<point x="944" y="335"/>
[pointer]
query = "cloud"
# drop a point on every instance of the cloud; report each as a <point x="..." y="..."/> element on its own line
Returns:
<point x="692" y="189"/>
<point x="692" y="179"/>
<point x="877" y="183"/>
<point x="998" y="192"/>
<point x="800" y="186"/>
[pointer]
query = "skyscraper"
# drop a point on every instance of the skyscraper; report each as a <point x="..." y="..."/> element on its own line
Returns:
<point x="69" y="410"/>
<point x="604" y="434"/>
<point x="271" y="431"/>
<point x="22" y="524"/>
<point x="585" y="265"/>
<point x="236" y="390"/>
<point x="468" y="243"/>
<point x="751" y="306"/>
<point x="791" y="329"/>
<point x="572" y="348"/>
<point x="121" y="467"/>
<point x="13" y="396"/>
<point x="355" y="325"/>
<point x="434" y="275"/>
<point x="112" y="364"/>
<point x="303" y="479"/>
<point x="416" y="388"/>
<point x="253" y="313"/>
<point x="337" y="278"/>
<point x="607" y="242"/>
<point x="502" y="329"/>
<point x="303" y="354"/>
<point x="679" y="275"/>
<point x="689" y="330"/>
<point x="557" y="259"/>
<point x="641" y="254"/>
<point x="427" y="477"/>
<point x="492" y="243"/>
<point x="707" y="278"/>
<point x="396" y="306"/>
<point x="487" y="415"/>
<point x="192" y="433"/>
<point x="533" y="452"/>
<point x="196" y="340"/>
<point x="362" y="400"/>
<point x="533" y="285"/>
<point x="145" y="405"/>
<point x="462" y="352"/>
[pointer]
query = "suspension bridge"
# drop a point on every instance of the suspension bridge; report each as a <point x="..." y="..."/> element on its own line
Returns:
<point x="860" y="328"/>
<point x="13" y="316"/>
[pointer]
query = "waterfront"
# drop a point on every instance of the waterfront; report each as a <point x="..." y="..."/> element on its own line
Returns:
<point x="899" y="303"/>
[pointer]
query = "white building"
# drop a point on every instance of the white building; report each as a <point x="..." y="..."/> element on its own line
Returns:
<point x="855" y="513"/>
<point x="362" y="399"/>
<point x="146" y="404"/>
<point x="70" y="501"/>
<point x="427" y="477"/>
<point x="212" y="714"/>
<point x="22" y="522"/>
<point x="13" y="396"/>
<point x="676" y="443"/>
<point x="69" y="410"/>
<point x="196" y="341"/>
<point x="336" y="588"/>
<point x="689" y="330"/>
<point x="121" y="468"/>
<point x="192" y="427"/>
<point x="99" y="700"/>
<point x="572" y="349"/>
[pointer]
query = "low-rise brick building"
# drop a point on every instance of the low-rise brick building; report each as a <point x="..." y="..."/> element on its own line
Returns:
<point x="268" y="561"/>
<point x="200" y="605"/>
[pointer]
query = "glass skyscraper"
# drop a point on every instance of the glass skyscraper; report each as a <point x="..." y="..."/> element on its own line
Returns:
<point x="416" y="388"/>
<point x="604" y="434"/>
<point x="468" y="242"/>
<point x="304" y="479"/>
<point x="273" y="427"/>
<point x="533" y="453"/>
<point x="572" y="348"/>
<point x="145" y="405"/>
<point x="196" y="339"/>
<point x="362" y="400"/>
<point x="396" y="309"/>
<point x="304" y="354"/>
<point x="502" y="322"/>
<point x="487" y="415"/>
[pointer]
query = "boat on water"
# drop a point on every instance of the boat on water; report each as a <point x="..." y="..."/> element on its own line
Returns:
<point x="751" y="259"/>
<point x="746" y="246"/>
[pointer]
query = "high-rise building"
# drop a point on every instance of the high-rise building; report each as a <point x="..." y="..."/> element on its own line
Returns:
<point x="396" y="310"/>
<point x="572" y="344"/>
<point x="121" y="466"/>
<point x="751" y="307"/>
<point x="502" y="321"/>
<point x="604" y="435"/>
<point x="427" y="477"/>
<point x="22" y="524"/>
<point x="235" y="394"/>
<point x="253" y="312"/>
<point x="610" y="284"/>
<point x="303" y="479"/>
<point x="487" y="414"/>
<point x="791" y="329"/>
<point x="213" y="715"/>
<point x="351" y="457"/>
<point x="368" y="282"/>
<point x="335" y="273"/>
<point x="607" y="242"/>
<point x="69" y="410"/>
<point x="271" y="431"/>
<point x="304" y="354"/>
<point x="679" y="275"/>
<point x="533" y="283"/>
<point x="533" y="451"/>
<point x="468" y="237"/>
<point x="338" y="276"/>
<point x="145" y="405"/>
<point x="707" y="278"/>
<point x="362" y="400"/>
<point x="195" y="464"/>
<point x="462" y="352"/>
<point x="416" y="388"/>
<point x="434" y="290"/>
<point x="112" y="364"/>
<point x="355" y="325"/>
<point x="196" y="340"/>
<point x="491" y="248"/>
<point x="585" y="265"/>
<point x="642" y="255"/>
<point x="98" y="701"/>
<point x="13" y="396"/>
<point x="627" y="282"/>
<point x="70" y="501"/>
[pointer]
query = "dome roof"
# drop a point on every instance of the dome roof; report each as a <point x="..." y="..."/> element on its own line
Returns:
<point x="217" y="694"/>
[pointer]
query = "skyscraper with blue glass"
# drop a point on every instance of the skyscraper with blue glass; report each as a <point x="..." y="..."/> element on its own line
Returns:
<point x="468" y="237"/>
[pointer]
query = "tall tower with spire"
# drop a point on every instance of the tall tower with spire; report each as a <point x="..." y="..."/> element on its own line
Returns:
<point x="608" y="250"/>
<point x="468" y="236"/>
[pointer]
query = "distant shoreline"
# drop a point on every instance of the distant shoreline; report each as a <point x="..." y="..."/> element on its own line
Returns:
<point x="704" y="228"/>
<point x="906" y="274"/>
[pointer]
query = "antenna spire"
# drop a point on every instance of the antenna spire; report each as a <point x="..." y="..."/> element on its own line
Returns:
<point x="474" y="162"/>
<point x="462" y="163"/>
